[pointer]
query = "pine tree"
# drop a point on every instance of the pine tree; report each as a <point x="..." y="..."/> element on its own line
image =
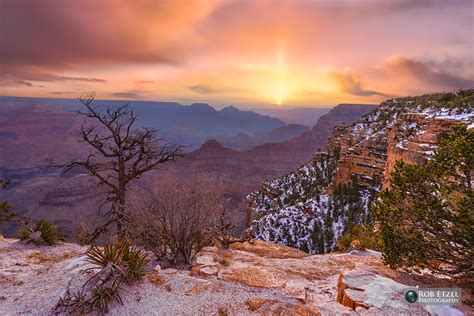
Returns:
<point x="427" y="216"/>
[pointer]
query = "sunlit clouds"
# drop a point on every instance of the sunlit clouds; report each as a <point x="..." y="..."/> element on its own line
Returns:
<point x="236" y="52"/>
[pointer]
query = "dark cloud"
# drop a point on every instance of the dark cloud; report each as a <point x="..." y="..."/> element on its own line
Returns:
<point x="425" y="72"/>
<point x="66" y="33"/>
<point x="349" y="83"/>
<point x="24" y="77"/>
<point x="5" y="81"/>
<point x="126" y="95"/>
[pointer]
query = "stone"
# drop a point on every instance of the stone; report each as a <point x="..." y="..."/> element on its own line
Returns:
<point x="170" y="271"/>
<point x="296" y="289"/>
<point x="204" y="259"/>
<point x="255" y="304"/>
<point x="368" y="291"/>
<point x="157" y="268"/>
<point x="251" y="275"/>
<point x="205" y="270"/>
<point x="269" y="250"/>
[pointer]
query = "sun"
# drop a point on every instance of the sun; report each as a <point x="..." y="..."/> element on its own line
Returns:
<point x="279" y="102"/>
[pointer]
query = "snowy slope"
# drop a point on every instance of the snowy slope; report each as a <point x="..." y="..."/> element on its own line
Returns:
<point x="306" y="209"/>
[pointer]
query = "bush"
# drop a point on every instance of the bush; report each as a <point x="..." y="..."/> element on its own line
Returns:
<point x="177" y="221"/>
<point x="360" y="237"/>
<point x="41" y="233"/>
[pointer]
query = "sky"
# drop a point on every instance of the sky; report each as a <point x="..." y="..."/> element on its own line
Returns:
<point x="280" y="53"/>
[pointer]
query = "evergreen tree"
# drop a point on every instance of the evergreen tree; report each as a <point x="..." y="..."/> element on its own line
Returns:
<point x="427" y="216"/>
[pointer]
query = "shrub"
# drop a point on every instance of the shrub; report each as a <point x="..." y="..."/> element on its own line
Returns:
<point x="41" y="233"/>
<point x="177" y="221"/>
<point x="360" y="237"/>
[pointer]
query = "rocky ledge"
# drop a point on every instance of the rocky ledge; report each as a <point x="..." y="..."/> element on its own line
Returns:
<point x="248" y="279"/>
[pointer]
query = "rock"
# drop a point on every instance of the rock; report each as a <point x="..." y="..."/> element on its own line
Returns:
<point x="251" y="276"/>
<point x="205" y="259"/>
<point x="170" y="271"/>
<point x="296" y="289"/>
<point x="275" y="307"/>
<point x="368" y="291"/>
<point x="157" y="268"/>
<point x="205" y="270"/>
<point x="269" y="250"/>
<point x="255" y="304"/>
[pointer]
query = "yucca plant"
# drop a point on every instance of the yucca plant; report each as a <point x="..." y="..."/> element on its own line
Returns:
<point x="136" y="259"/>
<point x="119" y="262"/>
<point x="102" y="297"/>
<point x="49" y="233"/>
<point x="131" y="260"/>
<point x="109" y="254"/>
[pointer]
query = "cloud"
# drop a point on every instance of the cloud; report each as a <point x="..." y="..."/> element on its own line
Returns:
<point x="424" y="72"/>
<point x="349" y="83"/>
<point x="67" y="33"/>
<point x="127" y="95"/>
<point x="202" y="89"/>
<point x="61" y="92"/>
<point x="20" y="76"/>
<point x="5" y="81"/>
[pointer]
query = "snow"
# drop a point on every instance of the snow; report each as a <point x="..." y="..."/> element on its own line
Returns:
<point x="289" y="207"/>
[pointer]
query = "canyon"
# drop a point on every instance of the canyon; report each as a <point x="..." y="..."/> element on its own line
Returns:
<point x="314" y="206"/>
<point x="39" y="190"/>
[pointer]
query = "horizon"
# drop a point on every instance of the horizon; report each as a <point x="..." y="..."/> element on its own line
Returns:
<point x="216" y="106"/>
<point x="243" y="53"/>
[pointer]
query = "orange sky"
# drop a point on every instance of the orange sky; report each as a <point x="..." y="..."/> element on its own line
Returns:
<point x="297" y="52"/>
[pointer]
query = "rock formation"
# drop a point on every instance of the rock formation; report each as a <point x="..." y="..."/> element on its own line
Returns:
<point x="258" y="279"/>
<point x="313" y="206"/>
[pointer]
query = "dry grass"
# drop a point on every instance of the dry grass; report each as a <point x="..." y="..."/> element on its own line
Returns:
<point x="39" y="257"/>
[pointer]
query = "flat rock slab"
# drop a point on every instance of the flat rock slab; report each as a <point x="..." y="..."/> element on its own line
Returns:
<point x="251" y="276"/>
<point x="366" y="291"/>
<point x="269" y="250"/>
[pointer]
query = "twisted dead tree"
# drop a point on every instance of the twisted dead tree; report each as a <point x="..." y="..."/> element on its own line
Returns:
<point x="119" y="155"/>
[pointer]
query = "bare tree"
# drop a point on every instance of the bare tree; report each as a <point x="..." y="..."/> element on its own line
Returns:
<point x="178" y="219"/>
<point x="120" y="154"/>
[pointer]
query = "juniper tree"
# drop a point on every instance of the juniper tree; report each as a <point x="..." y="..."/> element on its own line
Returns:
<point x="119" y="154"/>
<point x="427" y="216"/>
